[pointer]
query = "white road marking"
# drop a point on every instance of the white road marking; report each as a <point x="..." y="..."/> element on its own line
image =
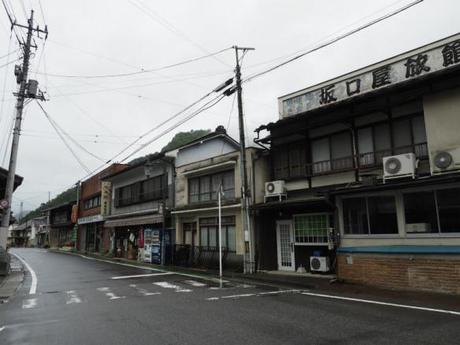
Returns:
<point x="109" y="293"/>
<point x="73" y="297"/>
<point x="144" y="292"/>
<point x="444" y="311"/>
<point x="143" y="275"/>
<point x="277" y="292"/>
<point x="2" y="328"/>
<point x="29" y="303"/>
<point x="194" y="283"/>
<point x="239" y="296"/>
<point x="195" y="276"/>
<point x="33" y="286"/>
<point x="167" y="285"/>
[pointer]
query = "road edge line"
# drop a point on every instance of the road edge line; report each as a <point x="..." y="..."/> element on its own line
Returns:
<point x="368" y="301"/>
<point x="33" y="286"/>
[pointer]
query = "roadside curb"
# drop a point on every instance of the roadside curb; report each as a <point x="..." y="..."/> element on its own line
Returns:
<point x="11" y="283"/>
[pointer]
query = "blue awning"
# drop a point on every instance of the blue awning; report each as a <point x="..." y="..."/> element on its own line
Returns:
<point x="454" y="250"/>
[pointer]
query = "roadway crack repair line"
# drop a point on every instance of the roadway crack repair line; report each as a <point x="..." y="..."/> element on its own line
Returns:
<point x="33" y="286"/>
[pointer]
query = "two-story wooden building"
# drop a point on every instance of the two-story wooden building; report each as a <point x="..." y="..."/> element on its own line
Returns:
<point x="94" y="206"/>
<point x="61" y="226"/>
<point x="368" y="166"/>
<point x="202" y="167"/>
<point x="142" y="197"/>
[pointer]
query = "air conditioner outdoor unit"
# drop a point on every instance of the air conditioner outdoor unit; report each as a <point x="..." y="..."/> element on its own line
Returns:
<point x="319" y="264"/>
<point x="274" y="188"/>
<point x="399" y="166"/>
<point x="445" y="161"/>
<point x="418" y="227"/>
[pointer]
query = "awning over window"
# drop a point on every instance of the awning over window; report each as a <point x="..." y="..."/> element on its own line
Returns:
<point x="129" y="221"/>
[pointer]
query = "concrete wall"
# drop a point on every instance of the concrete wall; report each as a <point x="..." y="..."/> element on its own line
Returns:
<point x="442" y="121"/>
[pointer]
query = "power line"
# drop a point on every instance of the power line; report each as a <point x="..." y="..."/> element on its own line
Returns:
<point x="169" y="26"/>
<point x="74" y="154"/>
<point x="56" y="125"/>
<point x="168" y="130"/>
<point x="334" y="40"/>
<point x="143" y="71"/>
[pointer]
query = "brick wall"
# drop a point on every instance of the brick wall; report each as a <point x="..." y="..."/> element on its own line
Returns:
<point x="436" y="273"/>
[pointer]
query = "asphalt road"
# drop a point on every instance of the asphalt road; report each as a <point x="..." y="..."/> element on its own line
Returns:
<point x="77" y="301"/>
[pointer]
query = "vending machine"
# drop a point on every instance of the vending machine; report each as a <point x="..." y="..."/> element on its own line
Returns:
<point x="148" y="235"/>
<point x="161" y="246"/>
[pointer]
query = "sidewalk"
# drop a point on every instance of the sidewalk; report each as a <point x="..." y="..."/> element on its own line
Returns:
<point x="10" y="283"/>
<point x="319" y="284"/>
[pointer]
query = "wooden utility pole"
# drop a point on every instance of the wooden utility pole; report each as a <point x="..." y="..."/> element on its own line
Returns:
<point x="27" y="89"/>
<point x="245" y="193"/>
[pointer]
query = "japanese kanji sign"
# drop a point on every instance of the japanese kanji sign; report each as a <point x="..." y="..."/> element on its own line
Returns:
<point x="443" y="56"/>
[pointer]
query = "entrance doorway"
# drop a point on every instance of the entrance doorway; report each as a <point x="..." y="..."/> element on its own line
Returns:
<point x="285" y="245"/>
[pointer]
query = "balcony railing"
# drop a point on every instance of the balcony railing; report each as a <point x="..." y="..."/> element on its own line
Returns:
<point x="361" y="161"/>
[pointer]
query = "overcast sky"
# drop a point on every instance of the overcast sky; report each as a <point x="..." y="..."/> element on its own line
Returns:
<point x="99" y="37"/>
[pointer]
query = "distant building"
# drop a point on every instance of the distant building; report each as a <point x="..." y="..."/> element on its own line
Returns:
<point x="61" y="226"/>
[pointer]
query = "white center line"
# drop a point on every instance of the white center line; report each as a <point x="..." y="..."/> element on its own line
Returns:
<point x="33" y="286"/>
<point x="277" y="292"/>
<point x="143" y="275"/>
<point x="2" y="328"/>
<point x="382" y="303"/>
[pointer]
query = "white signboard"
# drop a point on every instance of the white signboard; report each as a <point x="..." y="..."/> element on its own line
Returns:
<point x="436" y="59"/>
<point x="91" y="219"/>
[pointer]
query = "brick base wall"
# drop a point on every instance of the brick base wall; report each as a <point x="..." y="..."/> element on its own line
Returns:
<point x="435" y="273"/>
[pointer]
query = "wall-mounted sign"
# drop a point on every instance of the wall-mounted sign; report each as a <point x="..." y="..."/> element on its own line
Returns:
<point x="90" y="219"/>
<point x="106" y="193"/>
<point x="435" y="59"/>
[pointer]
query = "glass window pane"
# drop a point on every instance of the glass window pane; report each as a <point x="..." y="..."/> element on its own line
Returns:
<point x="229" y="184"/>
<point x="366" y="147"/>
<point x="420" y="212"/>
<point x="402" y="136"/>
<point x="216" y="182"/>
<point x="382" y="142"/>
<point x="297" y="160"/>
<point x="418" y="129"/>
<point x="311" y="228"/>
<point x="321" y="155"/>
<point x="203" y="236"/>
<point x="281" y="162"/>
<point x="194" y="189"/>
<point x="382" y="215"/>
<point x="355" y="216"/>
<point x="212" y="236"/>
<point x="341" y="151"/>
<point x="449" y="209"/>
<point x="231" y="235"/>
<point x="205" y="188"/>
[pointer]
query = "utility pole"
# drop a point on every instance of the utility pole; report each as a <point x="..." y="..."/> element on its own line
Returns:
<point x="27" y="89"/>
<point x="245" y="193"/>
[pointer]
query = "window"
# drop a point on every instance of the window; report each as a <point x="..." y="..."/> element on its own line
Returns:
<point x="371" y="215"/>
<point x="311" y="228"/>
<point x="420" y="212"/>
<point x="151" y="189"/>
<point x="408" y="133"/>
<point x="289" y="161"/>
<point x="449" y="209"/>
<point x="92" y="202"/>
<point x="332" y="153"/>
<point x="209" y="232"/>
<point x="435" y="211"/>
<point x="205" y="188"/>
